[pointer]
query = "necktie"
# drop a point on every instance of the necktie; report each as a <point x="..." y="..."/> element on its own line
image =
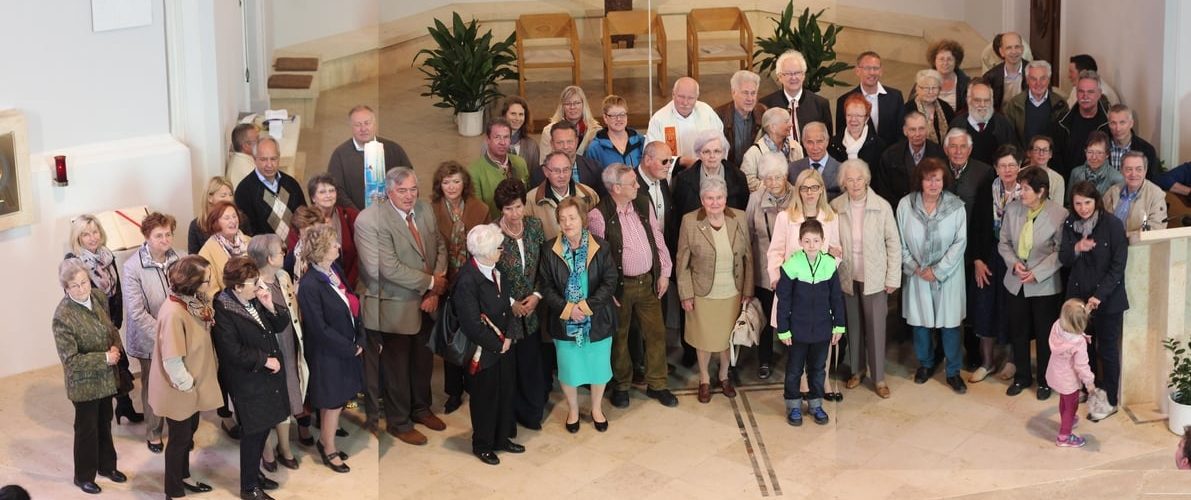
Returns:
<point x="817" y="167"/>
<point x="413" y="229"/>
<point x="794" y="132"/>
<point x="980" y="126"/>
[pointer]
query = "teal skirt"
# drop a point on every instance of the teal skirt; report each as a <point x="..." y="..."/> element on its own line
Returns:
<point x="589" y="364"/>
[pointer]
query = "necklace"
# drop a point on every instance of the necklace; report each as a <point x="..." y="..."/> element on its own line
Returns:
<point x="516" y="235"/>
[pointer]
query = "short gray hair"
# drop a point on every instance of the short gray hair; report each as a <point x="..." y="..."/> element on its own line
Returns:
<point x="712" y="184"/>
<point x="773" y="163"/>
<point x="774" y="116"/>
<point x="485" y="240"/>
<point x="957" y="132"/>
<point x="928" y="73"/>
<point x="815" y="126"/>
<point x="613" y="173"/>
<point x="1038" y="63"/>
<point x="70" y="268"/>
<point x="787" y="55"/>
<point x="260" y="248"/>
<point x="1145" y="162"/>
<point x="398" y="175"/>
<point x="1087" y="74"/>
<point x="703" y="137"/>
<point x="744" y="76"/>
<point x="858" y="164"/>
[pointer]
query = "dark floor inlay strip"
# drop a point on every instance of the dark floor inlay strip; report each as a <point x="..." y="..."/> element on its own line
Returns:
<point x="748" y="446"/>
<point x="748" y="408"/>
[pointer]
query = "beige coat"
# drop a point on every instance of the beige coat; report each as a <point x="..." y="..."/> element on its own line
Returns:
<point x="544" y="207"/>
<point x="696" y="254"/>
<point x="290" y="290"/>
<point x="1151" y="204"/>
<point x="882" y="251"/>
<point x="179" y="333"/>
<point x="394" y="276"/>
<point x="218" y="257"/>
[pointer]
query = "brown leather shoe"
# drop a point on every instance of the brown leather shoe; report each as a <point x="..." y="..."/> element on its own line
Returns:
<point x="411" y="436"/>
<point x="853" y="382"/>
<point x="883" y="390"/>
<point x="729" y="390"/>
<point x="431" y="422"/>
<point x="704" y="393"/>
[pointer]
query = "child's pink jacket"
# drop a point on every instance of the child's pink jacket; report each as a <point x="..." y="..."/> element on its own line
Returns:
<point x="1068" y="361"/>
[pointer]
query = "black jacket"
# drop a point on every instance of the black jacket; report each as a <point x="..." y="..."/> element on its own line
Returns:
<point x="472" y="295"/>
<point x="590" y="175"/>
<point x="996" y="79"/>
<point x="346" y="167"/>
<point x="1068" y="149"/>
<point x="1145" y="148"/>
<point x="974" y="187"/>
<point x="962" y="80"/>
<point x="891" y="111"/>
<point x="999" y="130"/>
<point x="671" y="220"/>
<point x="891" y="179"/>
<point x="812" y="107"/>
<point x="331" y="336"/>
<point x="259" y="395"/>
<point x="1099" y="272"/>
<point x="602" y="277"/>
<point x="686" y="189"/>
<point x="870" y="152"/>
<point x="941" y="128"/>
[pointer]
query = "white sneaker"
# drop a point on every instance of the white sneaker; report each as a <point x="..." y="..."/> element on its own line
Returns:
<point x="1096" y="417"/>
<point x="978" y="375"/>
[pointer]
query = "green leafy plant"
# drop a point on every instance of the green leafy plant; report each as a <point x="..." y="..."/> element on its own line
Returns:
<point x="463" y="72"/>
<point x="817" y="46"/>
<point x="1180" y="372"/>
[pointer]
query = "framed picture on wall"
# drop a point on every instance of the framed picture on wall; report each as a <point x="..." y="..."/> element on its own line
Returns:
<point x="16" y="194"/>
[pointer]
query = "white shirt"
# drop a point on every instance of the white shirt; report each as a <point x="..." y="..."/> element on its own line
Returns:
<point x="684" y="128"/>
<point x="872" y="99"/>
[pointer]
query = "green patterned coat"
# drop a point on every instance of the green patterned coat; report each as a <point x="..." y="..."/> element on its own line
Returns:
<point x="83" y="337"/>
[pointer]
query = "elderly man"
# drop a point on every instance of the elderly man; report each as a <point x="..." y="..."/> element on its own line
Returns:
<point x="564" y="137"/>
<point x="269" y="197"/>
<point x="681" y="119"/>
<point x="1008" y="78"/>
<point x="1037" y="111"/>
<point x="989" y="129"/>
<point x="1120" y="127"/>
<point x="495" y="164"/>
<point x="558" y="184"/>
<point x="1140" y="204"/>
<point x="627" y="221"/>
<point x="1089" y="115"/>
<point x="742" y="116"/>
<point x="403" y="265"/>
<point x="891" y="180"/>
<point x="1082" y="62"/>
<point x="240" y="162"/>
<point x="346" y="166"/>
<point x="804" y="106"/>
<point x="814" y="143"/>
<point x="888" y="106"/>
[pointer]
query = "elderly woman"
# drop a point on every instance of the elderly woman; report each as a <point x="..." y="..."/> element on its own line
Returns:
<point x="334" y="338"/>
<point x="247" y="321"/>
<point x="482" y="305"/>
<point x="577" y="280"/>
<point x="267" y="254"/>
<point x="89" y="347"/>
<point x="226" y="242"/>
<point x="617" y="142"/>
<point x="305" y="217"/>
<point x="934" y="228"/>
<point x="574" y="108"/>
<point x="1139" y="203"/>
<point x="145" y="287"/>
<point x="857" y="139"/>
<point x="182" y="378"/>
<point x="1095" y="251"/>
<point x="518" y="266"/>
<point x="989" y="299"/>
<point x="946" y="57"/>
<point x="715" y="278"/>
<point x="938" y="112"/>
<point x="218" y="189"/>
<point x="763" y="209"/>
<point x="457" y="210"/>
<point x="712" y="149"/>
<point x="88" y="243"/>
<point x="516" y="111"/>
<point x="1029" y="244"/>
<point x="869" y="270"/>
<point x="809" y="202"/>
<point x="775" y="125"/>
<point x="1096" y="169"/>
<point x="323" y="196"/>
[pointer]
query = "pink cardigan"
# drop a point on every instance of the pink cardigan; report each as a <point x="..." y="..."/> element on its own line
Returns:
<point x="1068" y="361"/>
<point x="784" y="241"/>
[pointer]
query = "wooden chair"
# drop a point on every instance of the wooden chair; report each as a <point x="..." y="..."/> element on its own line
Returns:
<point x="635" y="22"/>
<point x="541" y="27"/>
<point x="717" y="20"/>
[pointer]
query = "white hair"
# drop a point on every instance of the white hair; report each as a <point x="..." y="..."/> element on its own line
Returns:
<point x="485" y="240"/>
<point x="791" y="54"/>
<point x="703" y="137"/>
<point x="1038" y="63"/>
<point x="398" y="175"/>
<point x="709" y="184"/>
<point x="773" y="163"/>
<point x="68" y="269"/>
<point x="815" y="126"/>
<point x="744" y="76"/>
<point x="928" y="73"/>
<point x="857" y="164"/>
<point x="957" y="132"/>
<point x="774" y="116"/>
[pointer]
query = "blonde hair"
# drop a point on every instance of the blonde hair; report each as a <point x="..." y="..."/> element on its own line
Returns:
<point x="317" y="241"/>
<point x="796" y="210"/>
<point x="573" y="91"/>
<point x="78" y="225"/>
<point x="1074" y="316"/>
<point x="213" y="187"/>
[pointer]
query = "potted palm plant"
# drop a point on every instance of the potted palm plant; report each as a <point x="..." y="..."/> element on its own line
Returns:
<point x="464" y="70"/>
<point x="816" y="45"/>
<point x="1179" y="414"/>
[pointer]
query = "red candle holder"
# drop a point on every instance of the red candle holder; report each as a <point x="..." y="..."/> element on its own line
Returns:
<point x="60" y="170"/>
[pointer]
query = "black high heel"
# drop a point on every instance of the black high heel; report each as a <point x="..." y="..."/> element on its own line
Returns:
<point x="197" y="487"/>
<point x="155" y="447"/>
<point x="125" y="410"/>
<point x="289" y="463"/>
<point x="340" y="468"/>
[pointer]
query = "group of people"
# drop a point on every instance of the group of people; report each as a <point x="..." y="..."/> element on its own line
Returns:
<point x="978" y="203"/>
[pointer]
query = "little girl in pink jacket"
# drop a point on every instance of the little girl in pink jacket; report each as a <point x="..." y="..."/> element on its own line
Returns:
<point x="1069" y="367"/>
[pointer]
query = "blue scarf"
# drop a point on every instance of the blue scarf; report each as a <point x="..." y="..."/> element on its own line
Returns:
<point x="576" y="259"/>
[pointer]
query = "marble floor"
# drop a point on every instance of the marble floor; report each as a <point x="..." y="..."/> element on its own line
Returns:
<point x="924" y="442"/>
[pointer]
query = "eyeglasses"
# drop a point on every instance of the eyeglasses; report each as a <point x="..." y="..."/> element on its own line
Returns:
<point x="1040" y="150"/>
<point x="791" y="74"/>
<point x="572" y="104"/>
<point x="712" y="152"/>
<point x="617" y="116"/>
<point x="928" y="89"/>
<point x="1094" y="152"/>
<point x="813" y="188"/>
<point x="78" y="285"/>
